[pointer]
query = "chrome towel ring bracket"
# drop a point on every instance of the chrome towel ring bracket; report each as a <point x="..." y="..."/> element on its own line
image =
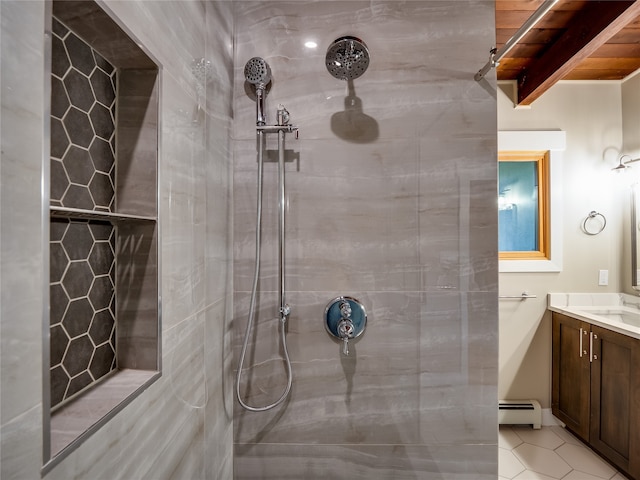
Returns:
<point x="593" y="225"/>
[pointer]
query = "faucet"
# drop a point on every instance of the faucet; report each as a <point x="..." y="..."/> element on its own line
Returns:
<point x="630" y="303"/>
<point x="346" y="328"/>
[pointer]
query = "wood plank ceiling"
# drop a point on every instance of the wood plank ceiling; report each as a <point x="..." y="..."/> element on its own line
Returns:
<point x="575" y="40"/>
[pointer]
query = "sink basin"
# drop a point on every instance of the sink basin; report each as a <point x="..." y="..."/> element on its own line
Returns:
<point x="617" y="315"/>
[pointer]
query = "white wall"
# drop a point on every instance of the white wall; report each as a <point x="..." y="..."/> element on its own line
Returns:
<point x="591" y="116"/>
<point x="631" y="115"/>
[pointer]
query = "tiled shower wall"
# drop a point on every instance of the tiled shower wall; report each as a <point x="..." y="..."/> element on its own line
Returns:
<point x="404" y="221"/>
<point x="180" y="427"/>
<point x="392" y="200"/>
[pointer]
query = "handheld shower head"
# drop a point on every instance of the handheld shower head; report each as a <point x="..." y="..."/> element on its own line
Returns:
<point x="258" y="73"/>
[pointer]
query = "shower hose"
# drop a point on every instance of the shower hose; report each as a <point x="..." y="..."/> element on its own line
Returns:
<point x="283" y="310"/>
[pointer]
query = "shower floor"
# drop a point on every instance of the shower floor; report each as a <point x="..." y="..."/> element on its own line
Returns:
<point x="547" y="454"/>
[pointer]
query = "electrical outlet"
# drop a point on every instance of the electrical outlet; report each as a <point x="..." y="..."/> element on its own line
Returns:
<point x="603" y="277"/>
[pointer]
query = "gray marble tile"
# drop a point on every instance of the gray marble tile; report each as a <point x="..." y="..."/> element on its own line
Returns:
<point x="183" y="206"/>
<point x="458" y="366"/>
<point x="138" y="142"/>
<point x="316" y="462"/>
<point x="180" y="394"/>
<point x="360" y="200"/>
<point x="458" y="214"/>
<point x="183" y="32"/>
<point x="220" y="395"/>
<point x="122" y="448"/>
<point x="369" y="397"/>
<point x="397" y="377"/>
<point x="172" y="411"/>
<point x="412" y="74"/>
<point x="452" y="326"/>
<point x="386" y="251"/>
<point x="405" y="208"/>
<point x="137" y="303"/>
<point x="73" y="419"/>
<point x="20" y="439"/>
<point x="22" y="239"/>
<point x="218" y="213"/>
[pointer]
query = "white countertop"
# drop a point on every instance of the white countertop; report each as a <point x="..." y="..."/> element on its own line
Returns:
<point x="592" y="308"/>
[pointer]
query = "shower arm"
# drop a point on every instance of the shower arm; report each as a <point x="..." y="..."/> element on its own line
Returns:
<point x="498" y="53"/>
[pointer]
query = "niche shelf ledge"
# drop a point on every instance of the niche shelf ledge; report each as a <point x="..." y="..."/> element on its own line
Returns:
<point x="66" y="212"/>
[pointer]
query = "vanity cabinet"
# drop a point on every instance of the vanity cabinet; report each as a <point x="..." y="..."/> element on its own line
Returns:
<point x="596" y="389"/>
<point x="571" y="392"/>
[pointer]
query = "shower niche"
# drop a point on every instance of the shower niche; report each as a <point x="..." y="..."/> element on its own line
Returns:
<point x="102" y="331"/>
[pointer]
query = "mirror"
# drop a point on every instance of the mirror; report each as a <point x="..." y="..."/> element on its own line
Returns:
<point x="635" y="245"/>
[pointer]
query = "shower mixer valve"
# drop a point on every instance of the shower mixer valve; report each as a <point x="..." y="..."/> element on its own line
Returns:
<point x="345" y="320"/>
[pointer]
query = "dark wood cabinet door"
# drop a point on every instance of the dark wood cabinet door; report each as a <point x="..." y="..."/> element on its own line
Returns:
<point x="615" y="399"/>
<point x="570" y="399"/>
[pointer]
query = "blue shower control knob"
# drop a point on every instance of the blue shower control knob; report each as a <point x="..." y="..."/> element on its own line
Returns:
<point x="345" y="309"/>
<point x="345" y="328"/>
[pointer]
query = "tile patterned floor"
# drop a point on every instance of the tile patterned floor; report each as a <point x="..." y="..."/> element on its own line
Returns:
<point x="550" y="453"/>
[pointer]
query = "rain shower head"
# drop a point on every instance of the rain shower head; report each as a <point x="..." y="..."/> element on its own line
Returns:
<point x="257" y="72"/>
<point x="347" y="58"/>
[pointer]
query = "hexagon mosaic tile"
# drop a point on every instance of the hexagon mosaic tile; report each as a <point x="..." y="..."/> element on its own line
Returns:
<point x="83" y="103"/>
<point x="82" y="305"/>
<point x="82" y="260"/>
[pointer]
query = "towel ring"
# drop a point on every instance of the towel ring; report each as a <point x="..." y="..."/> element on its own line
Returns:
<point x="593" y="214"/>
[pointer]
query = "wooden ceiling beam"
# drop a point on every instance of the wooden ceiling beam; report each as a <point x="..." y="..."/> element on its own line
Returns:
<point x="596" y="23"/>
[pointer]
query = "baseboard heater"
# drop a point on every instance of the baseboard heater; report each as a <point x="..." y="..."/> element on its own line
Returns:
<point x="520" y="412"/>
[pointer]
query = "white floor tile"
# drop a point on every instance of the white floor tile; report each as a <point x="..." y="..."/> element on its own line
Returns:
<point x="508" y="464"/>
<point x="584" y="460"/>
<point x="565" y="435"/>
<point x="529" y="475"/>
<point x="527" y="454"/>
<point x="541" y="460"/>
<point x="543" y="437"/>
<point x="507" y="438"/>
<point x="575" y="475"/>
